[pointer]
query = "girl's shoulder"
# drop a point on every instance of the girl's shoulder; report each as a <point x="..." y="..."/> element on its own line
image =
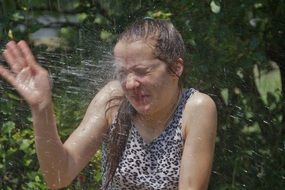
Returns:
<point x="200" y="108"/>
<point x="111" y="94"/>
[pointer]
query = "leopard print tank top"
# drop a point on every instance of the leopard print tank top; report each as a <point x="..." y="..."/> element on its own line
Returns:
<point x="155" y="165"/>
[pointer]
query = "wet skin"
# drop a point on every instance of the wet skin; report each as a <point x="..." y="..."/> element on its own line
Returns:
<point x="145" y="80"/>
<point x="150" y="88"/>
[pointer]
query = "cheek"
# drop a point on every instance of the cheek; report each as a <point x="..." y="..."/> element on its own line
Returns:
<point x="159" y="86"/>
<point x="163" y="79"/>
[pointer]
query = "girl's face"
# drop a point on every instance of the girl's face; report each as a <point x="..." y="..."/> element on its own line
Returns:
<point x="145" y="79"/>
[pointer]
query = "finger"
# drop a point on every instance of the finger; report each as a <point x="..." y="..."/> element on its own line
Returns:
<point x="8" y="76"/>
<point x="10" y="59"/>
<point x="28" y="55"/>
<point x="15" y="53"/>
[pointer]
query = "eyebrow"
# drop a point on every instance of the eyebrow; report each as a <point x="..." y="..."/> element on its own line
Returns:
<point x="135" y="67"/>
<point x="118" y="63"/>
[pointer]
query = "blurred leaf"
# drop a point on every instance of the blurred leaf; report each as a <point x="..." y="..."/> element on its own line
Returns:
<point x="7" y="128"/>
<point x="215" y="7"/>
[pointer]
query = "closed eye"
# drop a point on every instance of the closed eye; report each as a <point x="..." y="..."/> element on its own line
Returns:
<point x="141" y="71"/>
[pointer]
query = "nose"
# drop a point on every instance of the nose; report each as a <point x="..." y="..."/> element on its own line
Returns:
<point x="131" y="82"/>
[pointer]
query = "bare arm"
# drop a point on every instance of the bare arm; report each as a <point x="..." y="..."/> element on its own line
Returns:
<point x="200" y="123"/>
<point x="59" y="162"/>
<point x="62" y="163"/>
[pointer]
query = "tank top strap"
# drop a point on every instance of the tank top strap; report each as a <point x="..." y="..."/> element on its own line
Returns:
<point x="186" y="94"/>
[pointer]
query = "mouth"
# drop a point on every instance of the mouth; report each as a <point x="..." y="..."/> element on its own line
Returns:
<point x="139" y="98"/>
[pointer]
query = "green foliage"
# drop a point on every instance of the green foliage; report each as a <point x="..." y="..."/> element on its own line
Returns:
<point x="235" y="53"/>
<point x="18" y="167"/>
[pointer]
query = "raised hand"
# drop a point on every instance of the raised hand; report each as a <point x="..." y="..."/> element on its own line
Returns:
<point x="26" y="75"/>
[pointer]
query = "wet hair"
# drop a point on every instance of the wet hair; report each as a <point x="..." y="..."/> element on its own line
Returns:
<point x="169" y="47"/>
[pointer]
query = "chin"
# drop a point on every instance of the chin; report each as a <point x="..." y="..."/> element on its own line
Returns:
<point x="146" y="109"/>
<point x="141" y="106"/>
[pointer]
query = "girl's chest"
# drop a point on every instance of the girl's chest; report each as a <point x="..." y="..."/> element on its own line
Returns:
<point x="151" y="166"/>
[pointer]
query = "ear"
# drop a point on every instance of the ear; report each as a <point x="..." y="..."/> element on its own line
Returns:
<point x="178" y="67"/>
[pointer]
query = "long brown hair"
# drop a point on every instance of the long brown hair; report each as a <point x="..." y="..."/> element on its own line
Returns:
<point x="169" y="47"/>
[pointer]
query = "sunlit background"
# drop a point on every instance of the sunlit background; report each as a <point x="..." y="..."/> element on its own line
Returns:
<point x="235" y="53"/>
